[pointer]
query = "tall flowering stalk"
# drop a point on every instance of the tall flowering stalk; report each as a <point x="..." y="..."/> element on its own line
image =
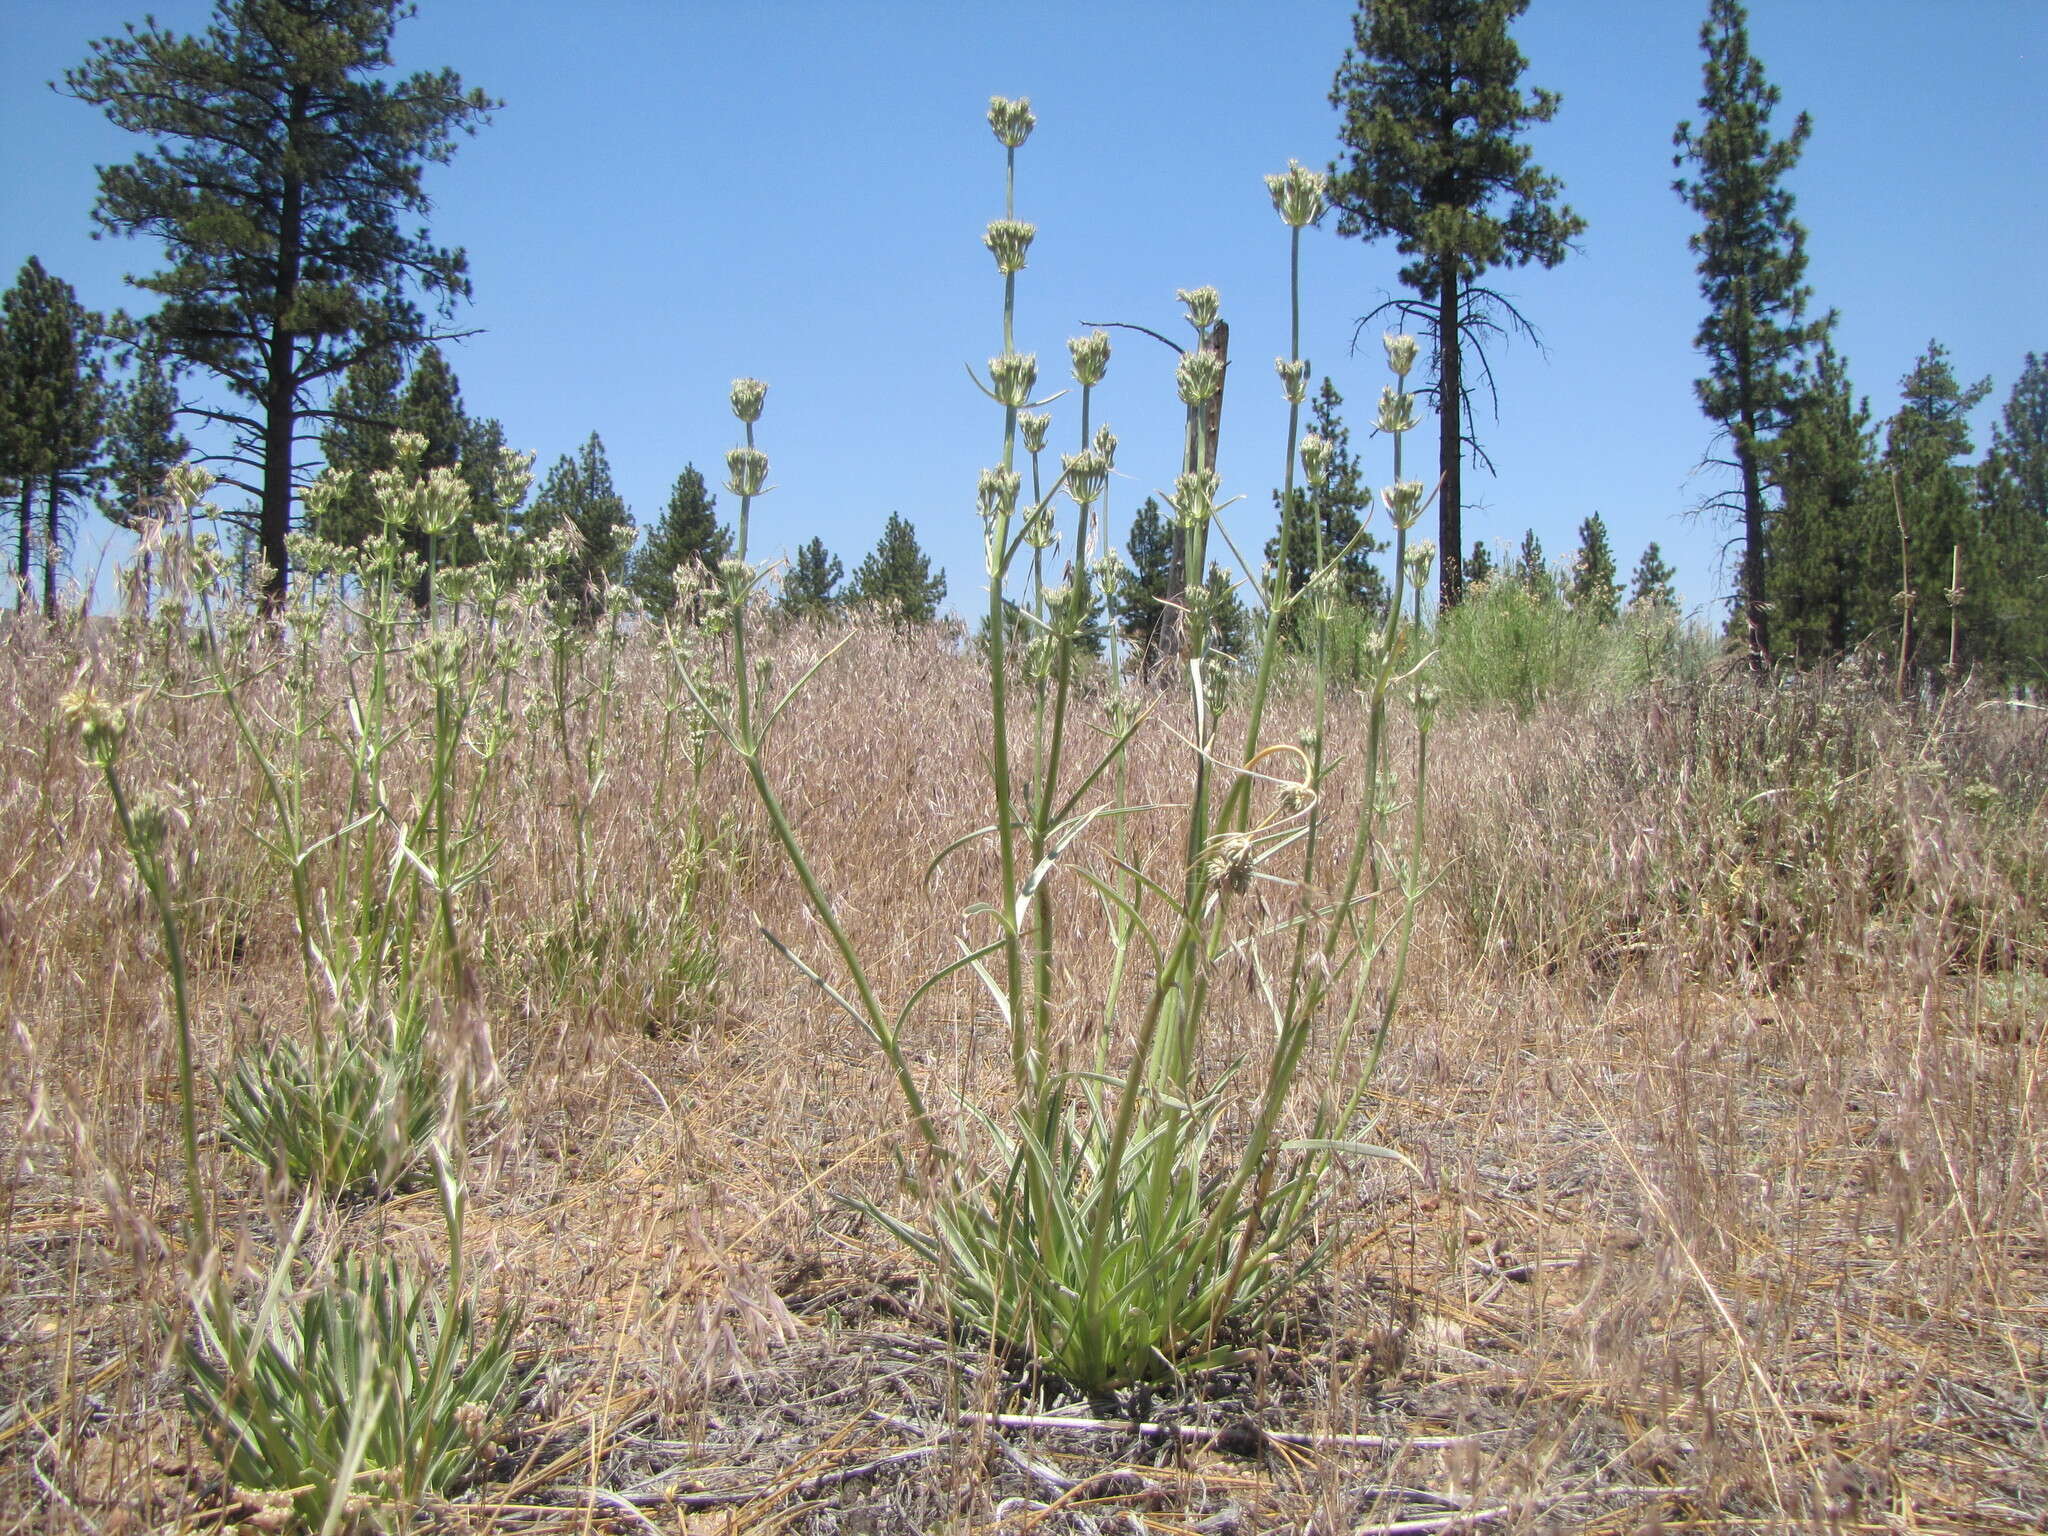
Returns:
<point x="1119" y="1217"/>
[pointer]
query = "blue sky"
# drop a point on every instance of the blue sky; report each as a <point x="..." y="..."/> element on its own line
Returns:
<point x="678" y="193"/>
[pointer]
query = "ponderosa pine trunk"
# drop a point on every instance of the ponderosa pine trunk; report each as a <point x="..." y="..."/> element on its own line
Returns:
<point x="1451" y="438"/>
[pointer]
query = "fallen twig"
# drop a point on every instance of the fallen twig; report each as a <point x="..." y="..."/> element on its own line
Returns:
<point x="718" y="1499"/>
<point x="1248" y="1436"/>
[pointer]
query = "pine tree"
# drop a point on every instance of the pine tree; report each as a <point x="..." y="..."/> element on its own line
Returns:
<point x="1478" y="564"/>
<point x="1336" y="507"/>
<point x="1923" y="440"/>
<point x="1595" y="594"/>
<point x="807" y="588"/>
<point x="356" y="442"/>
<point x="2012" y="493"/>
<point x="1531" y="570"/>
<point x="143" y="444"/>
<point x="53" y="416"/>
<point x="1230" y="627"/>
<point x="1653" y="584"/>
<point x="578" y="498"/>
<point x="1752" y="265"/>
<point x="687" y="539"/>
<point x="282" y="170"/>
<point x="1150" y="548"/>
<point x="1432" y="112"/>
<point x="897" y="578"/>
<point x="362" y="417"/>
<point x="1823" y="547"/>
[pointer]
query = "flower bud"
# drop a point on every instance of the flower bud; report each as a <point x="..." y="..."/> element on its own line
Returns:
<point x="1013" y="376"/>
<point x="438" y="504"/>
<point x="746" y="471"/>
<point x="1109" y="575"/>
<point x="1010" y="242"/>
<point x="151" y="822"/>
<point x="1012" y="121"/>
<point x="1400" y="352"/>
<point x="1403" y="501"/>
<point x="997" y="493"/>
<point x="1087" y="475"/>
<point x="1034" y="425"/>
<point x="1420" y="556"/>
<point x="410" y="448"/>
<point x="1298" y="194"/>
<point x="1091" y="356"/>
<point x="1397" y="410"/>
<point x="1194" y="496"/>
<point x="1293" y="378"/>
<point x="1105" y="444"/>
<point x="1199" y="376"/>
<point x="1203" y="305"/>
<point x="512" y="477"/>
<point x="1039" y="531"/>
<point x="1424" y="698"/>
<point x="1315" y="458"/>
<point x="188" y="483"/>
<point x="748" y="396"/>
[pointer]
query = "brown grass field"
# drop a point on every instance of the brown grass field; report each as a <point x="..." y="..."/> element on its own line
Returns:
<point x="1719" y="1068"/>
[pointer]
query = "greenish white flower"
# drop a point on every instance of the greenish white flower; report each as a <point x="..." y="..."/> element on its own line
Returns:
<point x="1298" y="194"/>
<point x="1087" y="475"/>
<point x="1420" y="557"/>
<point x="512" y="477"/>
<point x="1091" y="357"/>
<point x="1293" y="378"/>
<point x="997" y="493"/>
<point x="1424" y="698"/>
<point x="748" y="396"/>
<point x="1011" y="121"/>
<point x="1403" y="501"/>
<point x="1194" y="496"/>
<point x="1109" y="575"/>
<point x="1203" y="305"/>
<point x="746" y="471"/>
<point x="1199" y="376"/>
<point x="101" y="726"/>
<point x="409" y="448"/>
<point x="1012" y="377"/>
<point x="1009" y="240"/>
<point x="1039" y="529"/>
<point x="1397" y="410"/>
<point x="439" y="502"/>
<point x="1105" y="444"/>
<point x="1034" y="425"/>
<point x="188" y="483"/>
<point x="1400" y="352"/>
<point x="1315" y="457"/>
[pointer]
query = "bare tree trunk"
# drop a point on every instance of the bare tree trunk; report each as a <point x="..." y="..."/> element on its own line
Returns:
<point x="28" y="522"/>
<point x="51" y="528"/>
<point x="1450" y="451"/>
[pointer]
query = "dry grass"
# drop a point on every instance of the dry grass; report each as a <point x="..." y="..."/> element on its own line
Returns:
<point x="1720" y="1064"/>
